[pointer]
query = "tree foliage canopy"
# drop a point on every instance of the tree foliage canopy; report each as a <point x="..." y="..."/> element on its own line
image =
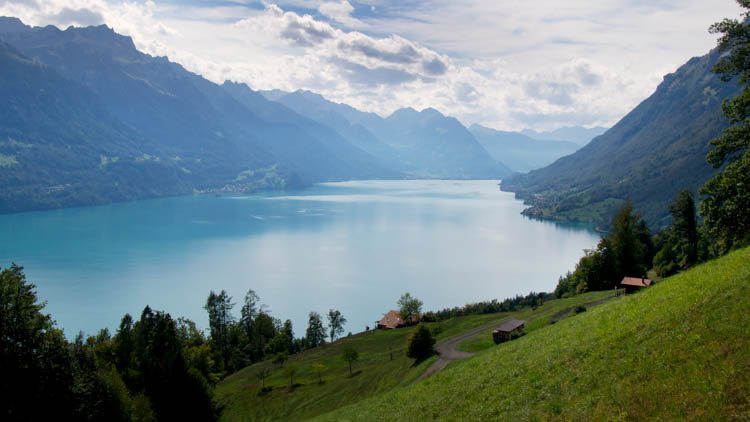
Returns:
<point x="626" y="251"/>
<point x="725" y="200"/>
<point x="147" y="371"/>
<point x="408" y="306"/>
<point x="420" y="343"/>
<point x="316" y="331"/>
<point x="350" y="356"/>
<point x="336" y="323"/>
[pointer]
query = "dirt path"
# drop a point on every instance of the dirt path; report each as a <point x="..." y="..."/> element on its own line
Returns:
<point x="448" y="350"/>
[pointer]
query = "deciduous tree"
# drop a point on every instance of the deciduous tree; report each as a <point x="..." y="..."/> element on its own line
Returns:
<point x="290" y="371"/>
<point x="262" y="374"/>
<point x="408" y="306"/>
<point x="336" y="323"/>
<point x="350" y="356"/>
<point x="319" y="368"/>
<point x="316" y="331"/>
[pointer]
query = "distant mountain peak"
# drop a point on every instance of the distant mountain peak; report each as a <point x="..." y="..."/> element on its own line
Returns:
<point x="310" y="95"/>
<point x="103" y="35"/>
<point x="11" y="24"/>
<point x="429" y="111"/>
<point x="405" y="112"/>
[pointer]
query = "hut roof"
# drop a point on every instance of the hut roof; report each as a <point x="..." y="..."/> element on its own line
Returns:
<point x="393" y="319"/>
<point x="636" y="281"/>
<point x="510" y="325"/>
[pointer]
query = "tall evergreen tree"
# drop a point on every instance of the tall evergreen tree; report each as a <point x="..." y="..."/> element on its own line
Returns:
<point x="288" y="331"/>
<point x="685" y="224"/>
<point x="35" y="365"/>
<point x="248" y="312"/>
<point x="725" y="198"/>
<point x="264" y="329"/>
<point x="176" y="391"/>
<point x="219" y="308"/>
<point x="124" y="343"/>
<point x="628" y="250"/>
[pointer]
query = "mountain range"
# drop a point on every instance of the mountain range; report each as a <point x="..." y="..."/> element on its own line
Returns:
<point x="89" y="119"/>
<point x="653" y="152"/>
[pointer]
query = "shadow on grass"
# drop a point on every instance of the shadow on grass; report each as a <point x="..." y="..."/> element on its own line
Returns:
<point x="417" y="362"/>
<point x="265" y="390"/>
<point x="355" y="373"/>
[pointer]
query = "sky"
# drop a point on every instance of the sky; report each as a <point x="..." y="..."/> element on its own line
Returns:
<point x="506" y="64"/>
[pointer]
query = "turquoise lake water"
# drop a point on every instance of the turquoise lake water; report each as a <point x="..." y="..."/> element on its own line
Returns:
<point x="352" y="246"/>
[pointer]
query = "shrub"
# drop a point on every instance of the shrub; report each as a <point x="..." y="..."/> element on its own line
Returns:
<point x="420" y="343"/>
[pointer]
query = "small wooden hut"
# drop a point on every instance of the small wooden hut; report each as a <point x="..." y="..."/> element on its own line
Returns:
<point x="393" y="320"/>
<point x="510" y="329"/>
<point x="633" y="284"/>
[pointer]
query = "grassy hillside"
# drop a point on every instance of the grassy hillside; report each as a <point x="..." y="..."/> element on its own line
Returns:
<point x="374" y="373"/>
<point x="677" y="351"/>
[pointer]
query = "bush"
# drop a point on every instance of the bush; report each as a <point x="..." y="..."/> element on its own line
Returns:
<point x="578" y="309"/>
<point x="420" y="343"/>
<point x="431" y="317"/>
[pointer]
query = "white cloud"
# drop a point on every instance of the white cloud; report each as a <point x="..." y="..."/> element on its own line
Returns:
<point x="523" y="64"/>
<point x="340" y="12"/>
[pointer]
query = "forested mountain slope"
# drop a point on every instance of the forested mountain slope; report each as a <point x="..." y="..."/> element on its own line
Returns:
<point x="342" y="140"/>
<point x="156" y="112"/>
<point x="657" y="149"/>
<point x="59" y="147"/>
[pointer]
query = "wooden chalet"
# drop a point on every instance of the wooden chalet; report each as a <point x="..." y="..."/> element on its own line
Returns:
<point x="510" y="329"/>
<point x="393" y="320"/>
<point x="633" y="284"/>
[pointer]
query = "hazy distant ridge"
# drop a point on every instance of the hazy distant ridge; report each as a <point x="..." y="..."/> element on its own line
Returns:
<point x="423" y="144"/>
<point x="579" y="135"/>
<point x="520" y="152"/>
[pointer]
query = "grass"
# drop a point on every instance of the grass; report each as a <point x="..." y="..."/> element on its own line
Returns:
<point x="375" y="372"/>
<point x="536" y="319"/>
<point x="680" y="350"/>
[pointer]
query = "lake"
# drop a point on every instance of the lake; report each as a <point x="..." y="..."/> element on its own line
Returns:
<point x="352" y="246"/>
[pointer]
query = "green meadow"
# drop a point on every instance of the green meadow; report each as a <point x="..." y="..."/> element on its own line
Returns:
<point x="679" y="350"/>
<point x="374" y="373"/>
